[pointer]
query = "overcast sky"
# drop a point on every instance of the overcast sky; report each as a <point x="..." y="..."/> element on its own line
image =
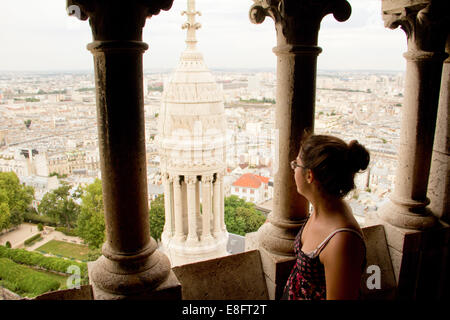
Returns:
<point x="40" y="36"/>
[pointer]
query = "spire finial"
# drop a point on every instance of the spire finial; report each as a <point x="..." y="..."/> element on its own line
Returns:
<point x="191" y="25"/>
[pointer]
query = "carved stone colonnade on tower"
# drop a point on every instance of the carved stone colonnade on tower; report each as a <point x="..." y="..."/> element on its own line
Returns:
<point x="191" y="234"/>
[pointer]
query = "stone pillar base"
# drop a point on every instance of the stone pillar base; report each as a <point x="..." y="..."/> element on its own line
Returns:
<point x="276" y="271"/>
<point x="276" y="267"/>
<point x="170" y="289"/>
<point x="420" y="259"/>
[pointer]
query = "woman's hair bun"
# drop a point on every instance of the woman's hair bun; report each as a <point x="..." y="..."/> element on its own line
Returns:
<point x="358" y="156"/>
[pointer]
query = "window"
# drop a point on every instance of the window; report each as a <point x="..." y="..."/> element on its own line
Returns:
<point x="252" y="191"/>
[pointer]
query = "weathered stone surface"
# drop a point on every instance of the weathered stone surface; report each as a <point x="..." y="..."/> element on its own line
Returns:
<point x="298" y="22"/>
<point x="131" y="266"/>
<point x="439" y="181"/>
<point x="399" y="5"/>
<point x="83" y="293"/>
<point x="236" y="277"/>
<point x="168" y="288"/>
<point x="439" y="185"/>
<point x="277" y="269"/>
<point x="6" y="294"/>
<point x="420" y="259"/>
<point x="117" y="20"/>
<point x="426" y="29"/>
<point x="378" y="255"/>
<point x="251" y="241"/>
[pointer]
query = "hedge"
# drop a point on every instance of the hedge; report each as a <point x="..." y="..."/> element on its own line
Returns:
<point x="32" y="239"/>
<point x="36" y="259"/>
<point x="36" y="219"/>
<point x="24" y="280"/>
<point x="67" y="232"/>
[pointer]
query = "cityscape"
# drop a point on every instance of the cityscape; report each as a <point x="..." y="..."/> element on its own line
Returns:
<point x="147" y="151"/>
<point x="48" y="127"/>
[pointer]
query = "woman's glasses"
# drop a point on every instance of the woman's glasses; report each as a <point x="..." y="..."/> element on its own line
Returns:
<point x="294" y="165"/>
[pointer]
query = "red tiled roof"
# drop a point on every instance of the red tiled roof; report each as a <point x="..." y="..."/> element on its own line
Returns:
<point x="264" y="180"/>
<point x="249" y="180"/>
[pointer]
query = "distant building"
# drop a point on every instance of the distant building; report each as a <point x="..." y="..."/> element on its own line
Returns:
<point x="192" y="145"/>
<point x="3" y="137"/>
<point x="41" y="186"/>
<point x="251" y="188"/>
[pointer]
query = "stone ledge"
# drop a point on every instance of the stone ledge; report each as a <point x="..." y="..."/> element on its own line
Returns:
<point x="235" y="277"/>
<point x="83" y="293"/>
<point x="378" y="254"/>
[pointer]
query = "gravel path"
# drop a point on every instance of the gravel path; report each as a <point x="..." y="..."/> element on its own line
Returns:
<point x="27" y="230"/>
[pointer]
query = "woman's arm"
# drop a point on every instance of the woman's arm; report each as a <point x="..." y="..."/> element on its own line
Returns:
<point x="342" y="258"/>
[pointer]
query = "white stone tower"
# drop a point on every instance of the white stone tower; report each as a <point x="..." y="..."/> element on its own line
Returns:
<point x="192" y="132"/>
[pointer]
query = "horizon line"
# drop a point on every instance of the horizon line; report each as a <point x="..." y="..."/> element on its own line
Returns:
<point x="165" y="70"/>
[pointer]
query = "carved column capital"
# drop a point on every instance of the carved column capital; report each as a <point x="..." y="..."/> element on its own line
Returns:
<point x="218" y="177"/>
<point x="207" y="178"/>
<point x="167" y="177"/>
<point x="426" y="25"/>
<point x="190" y="180"/>
<point x="176" y="179"/>
<point x="298" y="21"/>
<point x="117" y="20"/>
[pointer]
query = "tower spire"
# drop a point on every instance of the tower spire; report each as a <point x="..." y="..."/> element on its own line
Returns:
<point x="191" y="25"/>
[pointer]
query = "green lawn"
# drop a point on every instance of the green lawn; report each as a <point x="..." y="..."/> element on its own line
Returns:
<point x="65" y="249"/>
<point x="24" y="280"/>
<point x="51" y="275"/>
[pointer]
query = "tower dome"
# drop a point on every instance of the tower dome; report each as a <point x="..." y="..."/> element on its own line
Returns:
<point x="192" y="145"/>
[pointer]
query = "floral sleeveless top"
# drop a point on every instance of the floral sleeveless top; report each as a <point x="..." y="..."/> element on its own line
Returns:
<point x="307" y="278"/>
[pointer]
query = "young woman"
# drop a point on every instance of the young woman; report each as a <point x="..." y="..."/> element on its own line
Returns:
<point x="330" y="247"/>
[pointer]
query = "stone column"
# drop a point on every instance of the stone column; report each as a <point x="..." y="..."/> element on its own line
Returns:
<point x="222" y="206"/>
<point x="439" y="182"/>
<point x="168" y="205"/>
<point x="417" y="241"/>
<point x="178" y="208"/>
<point x="192" y="237"/>
<point x="131" y="267"/>
<point x="206" y="208"/>
<point x="297" y="26"/>
<point x="217" y="203"/>
<point x="426" y="35"/>
<point x="198" y="217"/>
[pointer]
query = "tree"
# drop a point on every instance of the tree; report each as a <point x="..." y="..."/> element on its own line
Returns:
<point x="157" y="217"/>
<point x="17" y="197"/>
<point x="91" y="221"/>
<point x="4" y="211"/>
<point x="27" y="123"/>
<point x="59" y="205"/>
<point x="241" y="217"/>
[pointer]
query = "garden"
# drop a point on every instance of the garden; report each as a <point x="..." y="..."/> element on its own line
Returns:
<point x="67" y="250"/>
<point x="30" y="274"/>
